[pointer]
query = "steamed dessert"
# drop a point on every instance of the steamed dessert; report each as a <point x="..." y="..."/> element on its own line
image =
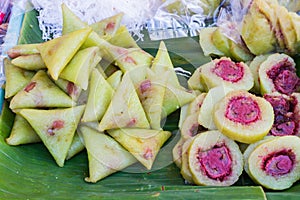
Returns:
<point x="185" y="168"/>
<point x="278" y="74"/>
<point x="243" y="117"/>
<point x="254" y="67"/>
<point x="214" y="95"/>
<point x="224" y="71"/>
<point x="214" y="159"/>
<point x="256" y="31"/>
<point x="191" y="127"/>
<point x="274" y="164"/>
<point x="287" y="116"/>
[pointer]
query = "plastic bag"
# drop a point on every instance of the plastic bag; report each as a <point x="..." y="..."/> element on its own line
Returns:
<point x="182" y="18"/>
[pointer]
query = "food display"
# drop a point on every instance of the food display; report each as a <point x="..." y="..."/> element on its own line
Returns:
<point x="214" y="159"/>
<point x="95" y="92"/>
<point x="274" y="162"/>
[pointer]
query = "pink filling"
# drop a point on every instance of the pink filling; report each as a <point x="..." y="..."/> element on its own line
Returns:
<point x="148" y="154"/>
<point x="284" y="77"/>
<point x="56" y="125"/>
<point x="30" y="86"/>
<point x="216" y="162"/>
<point x="279" y="163"/>
<point x="229" y="71"/>
<point x="285" y="121"/>
<point x="72" y="89"/>
<point x="243" y="110"/>
<point x="145" y="85"/>
<point x="110" y="26"/>
<point x="130" y="60"/>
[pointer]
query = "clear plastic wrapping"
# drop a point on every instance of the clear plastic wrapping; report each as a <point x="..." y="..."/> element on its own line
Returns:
<point x="182" y="18"/>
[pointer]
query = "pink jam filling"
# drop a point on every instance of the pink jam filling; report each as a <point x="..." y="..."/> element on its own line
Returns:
<point x="279" y="163"/>
<point x="216" y="162"/>
<point x="145" y="85"/>
<point x="56" y="125"/>
<point x="30" y="86"/>
<point x="285" y="120"/>
<point x="243" y="110"/>
<point x="284" y="77"/>
<point x="229" y="71"/>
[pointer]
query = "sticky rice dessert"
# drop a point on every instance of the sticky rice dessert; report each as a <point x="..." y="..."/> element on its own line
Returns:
<point x="225" y="72"/>
<point x="275" y="164"/>
<point x="287" y="113"/>
<point x="243" y="117"/>
<point x="278" y="74"/>
<point x="214" y="159"/>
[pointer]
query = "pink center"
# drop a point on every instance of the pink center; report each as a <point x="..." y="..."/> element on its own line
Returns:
<point x="229" y="71"/>
<point x="243" y="110"/>
<point x="132" y="122"/>
<point x="279" y="163"/>
<point x="30" y="86"/>
<point x="284" y="77"/>
<point x="110" y="26"/>
<point x="148" y="154"/>
<point x="145" y="85"/>
<point x="285" y="120"/>
<point x="71" y="89"/>
<point x="216" y="162"/>
<point x="56" y="125"/>
<point x="130" y="60"/>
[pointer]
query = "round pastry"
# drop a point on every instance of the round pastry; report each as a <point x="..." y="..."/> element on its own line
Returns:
<point x="287" y="113"/>
<point x="254" y="67"/>
<point x="225" y="72"/>
<point x="177" y="152"/>
<point x="278" y="74"/>
<point x="275" y="164"/>
<point x="243" y="117"/>
<point x="185" y="168"/>
<point x="214" y="159"/>
<point x="191" y="127"/>
<point x="249" y="150"/>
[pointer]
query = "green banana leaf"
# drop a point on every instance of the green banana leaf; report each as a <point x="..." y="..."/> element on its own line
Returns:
<point x="29" y="171"/>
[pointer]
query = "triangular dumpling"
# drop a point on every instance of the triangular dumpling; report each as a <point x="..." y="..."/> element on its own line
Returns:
<point x="125" y="109"/>
<point x="106" y="156"/>
<point x="76" y="146"/>
<point x="73" y="23"/>
<point x="123" y="38"/>
<point x="29" y="62"/>
<point x="22" y="132"/>
<point x="16" y="78"/>
<point x="126" y="59"/>
<point x="143" y="144"/>
<point x="151" y="93"/>
<point x="23" y="49"/>
<point x="58" y="52"/>
<point x="79" y="68"/>
<point x="100" y="95"/>
<point x="162" y="63"/>
<point x="56" y="128"/>
<point x="108" y="26"/>
<point x="115" y="79"/>
<point x="41" y="92"/>
<point x="175" y="97"/>
<point x="138" y="75"/>
<point x="69" y="87"/>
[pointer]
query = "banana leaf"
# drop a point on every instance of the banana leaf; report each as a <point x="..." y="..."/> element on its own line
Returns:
<point x="29" y="171"/>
